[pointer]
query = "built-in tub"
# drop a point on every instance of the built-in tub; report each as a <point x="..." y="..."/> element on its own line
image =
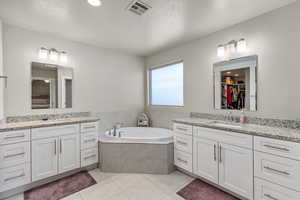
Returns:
<point x="137" y="150"/>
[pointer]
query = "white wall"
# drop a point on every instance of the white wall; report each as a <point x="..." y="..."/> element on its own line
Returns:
<point x="1" y="73"/>
<point x="104" y="80"/>
<point x="274" y="37"/>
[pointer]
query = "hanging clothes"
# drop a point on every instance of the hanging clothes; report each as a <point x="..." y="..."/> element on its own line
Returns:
<point x="229" y="96"/>
<point x="235" y="94"/>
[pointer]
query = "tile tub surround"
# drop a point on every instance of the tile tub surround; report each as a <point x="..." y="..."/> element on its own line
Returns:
<point x="137" y="158"/>
<point x="287" y="134"/>
<point x="26" y="118"/>
<point x="48" y="123"/>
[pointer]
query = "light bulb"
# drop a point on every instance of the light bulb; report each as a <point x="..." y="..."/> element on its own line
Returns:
<point x="221" y="51"/>
<point x="53" y="55"/>
<point x="95" y="3"/>
<point x="231" y="47"/>
<point x="63" y="57"/>
<point x="43" y="53"/>
<point x="241" y="45"/>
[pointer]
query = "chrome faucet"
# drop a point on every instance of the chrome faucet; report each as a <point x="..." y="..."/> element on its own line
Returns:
<point x="114" y="130"/>
<point x="229" y="117"/>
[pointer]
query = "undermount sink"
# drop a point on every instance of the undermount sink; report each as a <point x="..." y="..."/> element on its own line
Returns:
<point x="227" y="125"/>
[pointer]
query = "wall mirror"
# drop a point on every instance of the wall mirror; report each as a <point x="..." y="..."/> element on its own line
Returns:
<point x="51" y="86"/>
<point x="235" y="84"/>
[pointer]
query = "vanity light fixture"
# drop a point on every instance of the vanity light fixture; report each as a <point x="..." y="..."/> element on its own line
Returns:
<point x="53" y="55"/>
<point x="95" y="3"/>
<point x="221" y="50"/>
<point x="43" y="53"/>
<point x="241" y="45"/>
<point x="232" y="47"/>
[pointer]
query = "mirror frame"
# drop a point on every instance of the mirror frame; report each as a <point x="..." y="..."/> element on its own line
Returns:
<point x="30" y="81"/>
<point x="238" y="63"/>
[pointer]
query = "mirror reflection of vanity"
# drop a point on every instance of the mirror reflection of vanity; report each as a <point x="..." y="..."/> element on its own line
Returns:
<point x="51" y="86"/>
<point x="235" y="84"/>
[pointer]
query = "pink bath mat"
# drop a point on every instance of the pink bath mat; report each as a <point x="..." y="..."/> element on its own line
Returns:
<point x="61" y="188"/>
<point x="199" y="190"/>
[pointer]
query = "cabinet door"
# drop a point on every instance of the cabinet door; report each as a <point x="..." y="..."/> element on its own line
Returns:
<point x="205" y="159"/>
<point x="44" y="158"/>
<point x="69" y="153"/>
<point x="236" y="169"/>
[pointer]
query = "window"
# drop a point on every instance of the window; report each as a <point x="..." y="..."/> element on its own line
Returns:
<point x="166" y="85"/>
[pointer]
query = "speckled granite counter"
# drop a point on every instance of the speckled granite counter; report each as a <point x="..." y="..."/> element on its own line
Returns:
<point x="292" y="135"/>
<point x="41" y="123"/>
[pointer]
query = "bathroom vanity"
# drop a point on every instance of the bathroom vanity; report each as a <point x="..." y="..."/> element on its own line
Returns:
<point x="36" y="152"/>
<point x="249" y="161"/>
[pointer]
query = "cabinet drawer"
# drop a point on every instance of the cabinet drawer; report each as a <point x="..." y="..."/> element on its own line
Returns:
<point x="282" y="171"/>
<point x="14" y="154"/>
<point x="54" y="131"/>
<point x="13" y="177"/>
<point x="89" y="127"/>
<point x="183" y="128"/>
<point x="89" y="140"/>
<point x="265" y="190"/>
<point x="11" y="137"/>
<point x="237" y="139"/>
<point x="277" y="147"/>
<point x="89" y="157"/>
<point x="183" y="142"/>
<point x="183" y="160"/>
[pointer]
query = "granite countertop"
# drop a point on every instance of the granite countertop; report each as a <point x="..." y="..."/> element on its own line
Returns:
<point x="287" y="134"/>
<point x="41" y="123"/>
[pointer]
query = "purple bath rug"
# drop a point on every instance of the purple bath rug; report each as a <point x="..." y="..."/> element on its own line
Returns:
<point x="61" y="188"/>
<point x="199" y="190"/>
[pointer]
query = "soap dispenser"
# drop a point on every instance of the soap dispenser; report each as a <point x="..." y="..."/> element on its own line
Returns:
<point x="242" y="117"/>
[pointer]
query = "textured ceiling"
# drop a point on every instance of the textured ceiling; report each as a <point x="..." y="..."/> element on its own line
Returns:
<point x="168" y="23"/>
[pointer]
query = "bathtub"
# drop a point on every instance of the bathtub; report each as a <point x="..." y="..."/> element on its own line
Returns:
<point x="139" y="135"/>
<point x="137" y="150"/>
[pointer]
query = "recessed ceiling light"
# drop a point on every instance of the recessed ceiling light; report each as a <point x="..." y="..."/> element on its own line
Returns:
<point x="95" y="3"/>
<point x="236" y="75"/>
<point x="229" y="72"/>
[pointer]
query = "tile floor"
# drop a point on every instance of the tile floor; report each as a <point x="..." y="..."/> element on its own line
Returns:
<point x="130" y="187"/>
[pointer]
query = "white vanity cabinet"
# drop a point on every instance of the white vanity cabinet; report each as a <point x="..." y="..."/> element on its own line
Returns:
<point x="224" y="158"/>
<point x="221" y="157"/>
<point x="276" y="169"/>
<point x="44" y="158"/>
<point x="55" y="150"/>
<point x="33" y="155"/>
<point x="236" y="169"/>
<point x="14" y="159"/>
<point x="183" y="146"/>
<point x="89" y="143"/>
<point x="205" y="157"/>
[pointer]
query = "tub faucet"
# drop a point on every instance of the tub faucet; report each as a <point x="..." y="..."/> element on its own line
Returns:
<point x="114" y="130"/>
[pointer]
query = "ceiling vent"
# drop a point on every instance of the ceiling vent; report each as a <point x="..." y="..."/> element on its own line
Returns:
<point x="138" y="7"/>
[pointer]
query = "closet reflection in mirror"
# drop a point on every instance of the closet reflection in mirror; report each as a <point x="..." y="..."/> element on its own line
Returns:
<point x="235" y="84"/>
<point x="51" y="86"/>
